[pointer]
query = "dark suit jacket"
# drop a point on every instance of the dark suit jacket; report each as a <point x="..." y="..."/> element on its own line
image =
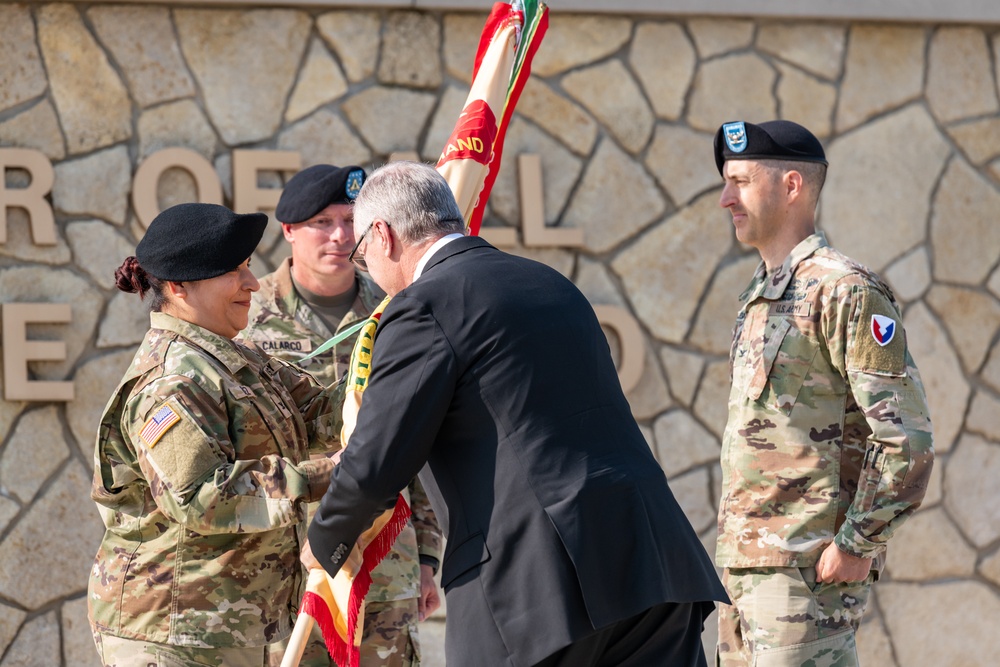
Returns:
<point x="494" y="371"/>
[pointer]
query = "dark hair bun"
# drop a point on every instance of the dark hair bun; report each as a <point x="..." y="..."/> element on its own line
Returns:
<point x="131" y="277"/>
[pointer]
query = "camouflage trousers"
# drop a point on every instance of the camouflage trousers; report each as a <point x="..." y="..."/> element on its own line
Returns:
<point x="389" y="639"/>
<point x="120" y="652"/>
<point x="781" y="617"/>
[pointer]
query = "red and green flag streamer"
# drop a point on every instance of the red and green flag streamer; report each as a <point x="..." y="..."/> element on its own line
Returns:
<point x="470" y="160"/>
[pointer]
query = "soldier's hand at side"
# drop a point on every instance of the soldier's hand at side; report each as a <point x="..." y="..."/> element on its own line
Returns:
<point x="307" y="558"/>
<point x="430" y="598"/>
<point x="836" y="567"/>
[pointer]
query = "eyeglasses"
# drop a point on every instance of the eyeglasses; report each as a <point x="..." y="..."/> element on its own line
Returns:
<point x="359" y="259"/>
<point x="354" y="257"/>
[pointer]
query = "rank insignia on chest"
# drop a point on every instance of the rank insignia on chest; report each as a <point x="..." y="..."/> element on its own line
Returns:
<point x="883" y="329"/>
<point x="157" y="425"/>
<point x="242" y="391"/>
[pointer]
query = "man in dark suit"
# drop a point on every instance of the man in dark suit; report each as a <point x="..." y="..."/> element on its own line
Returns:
<point x="565" y="544"/>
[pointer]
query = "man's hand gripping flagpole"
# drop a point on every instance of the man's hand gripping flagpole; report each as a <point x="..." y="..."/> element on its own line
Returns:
<point x="469" y="163"/>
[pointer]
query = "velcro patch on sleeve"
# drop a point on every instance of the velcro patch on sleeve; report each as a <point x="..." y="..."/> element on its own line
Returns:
<point x="184" y="454"/>
<point x="878" y="343"/>
<point x="161" y="422"/>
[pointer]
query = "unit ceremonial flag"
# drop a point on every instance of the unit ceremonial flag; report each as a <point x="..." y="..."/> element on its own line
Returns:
<point x="469" y="163"/>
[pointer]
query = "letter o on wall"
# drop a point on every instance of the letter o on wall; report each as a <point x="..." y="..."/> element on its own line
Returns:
<point x="631" y="342"/>
<point x="147" y="179"/>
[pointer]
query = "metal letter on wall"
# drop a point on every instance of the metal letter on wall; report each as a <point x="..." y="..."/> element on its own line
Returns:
<point x="18" y="350"/>
<point x="247" y="197"/>
<point x="630" y="343"/>
<point x="31" y="198"/>
<point x="147" y="178"/>
<point x="536" y="234"/>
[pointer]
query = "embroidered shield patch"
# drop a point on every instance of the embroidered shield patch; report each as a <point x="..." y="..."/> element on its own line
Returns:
<point x="353" y="185"/>
<point x="883" y="329"/>
<point x="736" y="136"/>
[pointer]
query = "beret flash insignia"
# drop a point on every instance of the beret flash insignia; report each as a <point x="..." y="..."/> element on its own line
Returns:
<point x="736" y="136"/>
<point x="353" y="185"/>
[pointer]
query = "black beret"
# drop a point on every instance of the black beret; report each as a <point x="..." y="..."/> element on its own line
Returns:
<point x="773" y="140"/>
<point x="198" y="241"/>
<point x="313" y="189"/>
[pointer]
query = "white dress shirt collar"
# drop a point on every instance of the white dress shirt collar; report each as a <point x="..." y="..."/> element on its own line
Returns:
<point x="437" y="245"/>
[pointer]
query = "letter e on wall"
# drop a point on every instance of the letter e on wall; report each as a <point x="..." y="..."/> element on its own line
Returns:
<point x="18" y="350"/>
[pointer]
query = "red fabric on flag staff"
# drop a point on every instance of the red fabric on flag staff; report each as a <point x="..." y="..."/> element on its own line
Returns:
<point x="323" y="602"/>
<point x="471" y="157"/>
<point x="469" y="163"/>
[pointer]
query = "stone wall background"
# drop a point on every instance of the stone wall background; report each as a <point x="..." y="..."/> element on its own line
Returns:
<point x="622" y="111"/>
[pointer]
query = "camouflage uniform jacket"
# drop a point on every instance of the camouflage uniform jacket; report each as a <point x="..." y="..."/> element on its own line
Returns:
<point x="828" y="437"/>
<point x="201" y="475"/>
<point x="282" y="324"/>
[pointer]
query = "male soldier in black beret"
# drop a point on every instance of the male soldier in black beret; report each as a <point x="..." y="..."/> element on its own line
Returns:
<point x="313" y="295"/>
<point x="828" y="444"/>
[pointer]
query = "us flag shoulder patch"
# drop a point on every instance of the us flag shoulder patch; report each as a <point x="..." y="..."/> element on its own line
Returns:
<point x="157" y="425"/>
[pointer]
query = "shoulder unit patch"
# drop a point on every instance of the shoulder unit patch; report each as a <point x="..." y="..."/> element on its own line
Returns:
<point x="877" y="345"/>
<point x="883" y="329"/>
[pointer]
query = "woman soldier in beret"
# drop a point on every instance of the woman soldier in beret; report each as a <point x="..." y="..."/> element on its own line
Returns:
<point x="202" y="460"/>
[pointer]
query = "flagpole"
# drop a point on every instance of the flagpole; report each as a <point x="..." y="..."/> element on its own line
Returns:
<point x="297" y="642"/>
<point x="469" y="163"/>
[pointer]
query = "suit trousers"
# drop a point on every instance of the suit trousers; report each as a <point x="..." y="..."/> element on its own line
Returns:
<point x="667" y="635"/>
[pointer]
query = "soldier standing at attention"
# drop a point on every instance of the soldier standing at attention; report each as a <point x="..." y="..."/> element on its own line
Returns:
<point x="313" y="295"/>
<point x="828" y="446"/>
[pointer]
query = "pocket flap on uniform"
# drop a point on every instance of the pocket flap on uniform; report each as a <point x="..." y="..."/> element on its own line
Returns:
<point x="462" y="558"/>
<point x="773" y="335"/>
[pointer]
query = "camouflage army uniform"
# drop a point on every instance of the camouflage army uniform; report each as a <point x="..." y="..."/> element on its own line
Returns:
<point x="828" y="440"/>
<point x="201" y="475"/>
<point x="282" y="323"/>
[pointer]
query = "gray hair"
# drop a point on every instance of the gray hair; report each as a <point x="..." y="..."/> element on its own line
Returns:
<point x="413" y="198"/>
